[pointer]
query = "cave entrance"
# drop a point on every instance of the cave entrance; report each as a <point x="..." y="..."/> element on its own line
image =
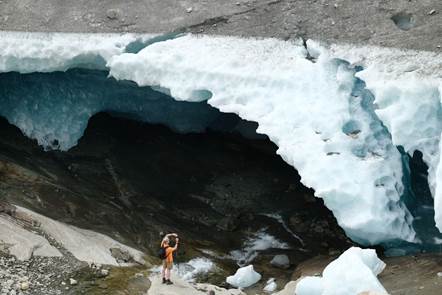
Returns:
<point x="131" y="162"/>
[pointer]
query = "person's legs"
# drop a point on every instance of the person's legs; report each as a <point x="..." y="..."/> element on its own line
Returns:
<point x="168" y="272"/>
<point x="163" y="271"/>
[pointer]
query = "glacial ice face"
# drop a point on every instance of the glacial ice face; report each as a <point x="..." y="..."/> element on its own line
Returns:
<point x="328" y="117"/>
<point x="318" y="114"/>
<point x="408" y="90"/>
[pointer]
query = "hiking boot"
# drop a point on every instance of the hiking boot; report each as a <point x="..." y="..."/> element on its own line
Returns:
<point x="164" y="280"/>
<point x="169" y="282"/>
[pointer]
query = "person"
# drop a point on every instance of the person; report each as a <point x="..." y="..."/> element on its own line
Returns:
<point x="170" y="248"/>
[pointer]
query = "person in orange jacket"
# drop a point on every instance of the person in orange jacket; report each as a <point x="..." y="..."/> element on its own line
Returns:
<point x="169" y="249"/>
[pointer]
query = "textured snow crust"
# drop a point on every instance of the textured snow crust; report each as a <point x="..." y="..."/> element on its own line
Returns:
<point x="354" y="272"/>
<point x="340" y="137"/>
<point x="316" y="113"/>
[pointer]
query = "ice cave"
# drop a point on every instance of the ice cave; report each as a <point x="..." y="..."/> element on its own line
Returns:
<point x="361" y="125"/>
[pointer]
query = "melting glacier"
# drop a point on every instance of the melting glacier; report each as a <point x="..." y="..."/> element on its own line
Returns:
<point x="344" y="116"/>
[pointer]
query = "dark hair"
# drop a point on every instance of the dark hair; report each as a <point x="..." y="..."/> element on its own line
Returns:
<point x="172" y="242"/>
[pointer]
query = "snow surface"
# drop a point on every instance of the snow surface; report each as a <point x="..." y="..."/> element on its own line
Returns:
<point x="244" y="277"/>
<point x="354" y="272"/>
<point x="85" y="245"/>
<point x="337" y="124"/>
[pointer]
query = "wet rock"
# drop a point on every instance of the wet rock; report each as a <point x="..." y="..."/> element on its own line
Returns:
<point x="120" y="255"/>
<point x="280" y="261"/>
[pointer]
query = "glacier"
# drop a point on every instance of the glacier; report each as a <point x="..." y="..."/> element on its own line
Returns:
<point x="339" y="114"/>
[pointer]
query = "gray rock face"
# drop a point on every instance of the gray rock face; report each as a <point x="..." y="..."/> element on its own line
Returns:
<point x="409" y="24"/>
<point x="280" y="261"/>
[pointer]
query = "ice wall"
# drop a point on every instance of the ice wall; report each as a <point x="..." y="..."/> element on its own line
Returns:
<point x="407" y="86"/>
<point x="332" y="120"/>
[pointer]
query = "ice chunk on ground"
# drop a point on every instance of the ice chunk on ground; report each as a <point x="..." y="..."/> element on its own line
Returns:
<point x="244" y="277"/>
<point x="319" y="115"/>
<point x="354" y="272"/>
<point x="85" y="245"/>
<point x="310" y="286"/>
<point x="270" y="286"/>
<point x="22" y="243"/>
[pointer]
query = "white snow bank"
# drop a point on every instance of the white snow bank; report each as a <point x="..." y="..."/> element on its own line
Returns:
<point x="244" y="277"/>
<point x="351" y="273"/>
<point x="85" y="245"/>
<point x="22" y="243"/>
<point x="48" y="52"/>
<point x="316" y="113"/>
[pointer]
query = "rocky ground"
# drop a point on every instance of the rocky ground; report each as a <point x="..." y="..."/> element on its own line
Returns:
<point x="66" y="275"/>
<point x="413" y="24"/>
